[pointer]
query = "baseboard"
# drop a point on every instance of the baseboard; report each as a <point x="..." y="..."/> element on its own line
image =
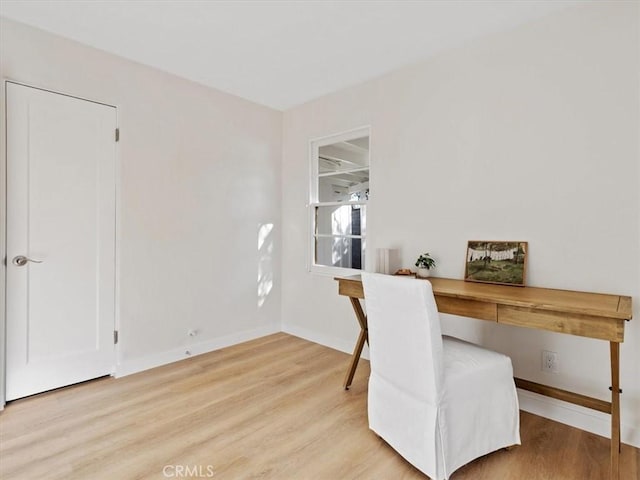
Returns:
<point x="328" y="341"/>
<point x="576" y="416"/>
<point x="557" y="410"/>
<point x="136" y="365"/>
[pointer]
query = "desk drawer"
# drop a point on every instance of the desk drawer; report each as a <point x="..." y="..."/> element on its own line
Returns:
<point x="467" y="308"/>
<point x="572" y="323"/>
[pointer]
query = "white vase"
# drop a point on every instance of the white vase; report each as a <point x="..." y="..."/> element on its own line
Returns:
<point x="423" y="272"/>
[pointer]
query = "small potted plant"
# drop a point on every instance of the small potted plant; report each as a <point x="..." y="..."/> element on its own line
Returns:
<point x="424" y="264"/>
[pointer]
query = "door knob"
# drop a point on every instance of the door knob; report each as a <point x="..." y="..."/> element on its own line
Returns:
<point x="21" y="260"/>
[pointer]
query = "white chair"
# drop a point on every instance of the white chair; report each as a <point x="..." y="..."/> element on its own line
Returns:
<point x="440" y="402"/>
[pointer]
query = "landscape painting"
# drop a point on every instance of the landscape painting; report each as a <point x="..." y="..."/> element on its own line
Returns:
<point x="504" y="263"/>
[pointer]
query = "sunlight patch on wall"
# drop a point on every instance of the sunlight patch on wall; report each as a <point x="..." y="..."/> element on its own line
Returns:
<point x="265" y="262"/>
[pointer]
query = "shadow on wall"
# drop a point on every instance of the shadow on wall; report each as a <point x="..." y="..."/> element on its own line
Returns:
<point x="265" y="262"/>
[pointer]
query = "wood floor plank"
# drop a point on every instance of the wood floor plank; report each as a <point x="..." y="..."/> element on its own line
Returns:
<point x="272" y="408"/>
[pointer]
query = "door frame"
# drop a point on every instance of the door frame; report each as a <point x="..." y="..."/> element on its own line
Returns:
<point x="3" y="225"/>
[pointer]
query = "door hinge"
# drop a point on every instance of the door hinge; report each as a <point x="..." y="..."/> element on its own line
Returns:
<point x="115" y="336"/>
<point x="117" y="134"/>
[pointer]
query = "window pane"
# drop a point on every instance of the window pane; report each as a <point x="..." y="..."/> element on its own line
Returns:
<point x="340" y="252"/>
<point x="344" y="186"/>
<point x="346" y="155"/>
<point x="341" y="220"/>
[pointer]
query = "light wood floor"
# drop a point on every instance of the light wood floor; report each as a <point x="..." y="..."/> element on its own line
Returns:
<point x="273" y="408"/>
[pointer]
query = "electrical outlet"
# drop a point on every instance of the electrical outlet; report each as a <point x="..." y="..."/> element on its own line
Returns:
<point x="549" y="362"/>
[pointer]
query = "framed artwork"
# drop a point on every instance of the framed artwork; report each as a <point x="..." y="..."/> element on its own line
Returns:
<point x="504" y="263"/>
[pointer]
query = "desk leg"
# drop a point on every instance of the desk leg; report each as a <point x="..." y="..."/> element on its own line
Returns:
<point x="615" y="410"/>
<point x="362" y="320"/>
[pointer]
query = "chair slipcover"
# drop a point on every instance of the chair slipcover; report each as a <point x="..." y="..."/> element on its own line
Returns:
<point x="440" y="402"/>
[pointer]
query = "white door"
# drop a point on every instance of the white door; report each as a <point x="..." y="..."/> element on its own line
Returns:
<point x="60" y="240"/>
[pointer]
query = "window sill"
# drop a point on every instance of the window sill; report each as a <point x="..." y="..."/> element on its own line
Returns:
<point x="334" y="271"/>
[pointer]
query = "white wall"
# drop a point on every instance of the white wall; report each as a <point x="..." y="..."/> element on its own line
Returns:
<point x="530" y="134"/>
<point x="199" y="182"/>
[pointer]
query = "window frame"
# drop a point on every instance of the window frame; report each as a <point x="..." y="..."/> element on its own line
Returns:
<point x="314" y="176"/>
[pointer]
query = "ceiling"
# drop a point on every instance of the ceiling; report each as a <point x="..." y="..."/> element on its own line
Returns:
<point x="276" y="53"/>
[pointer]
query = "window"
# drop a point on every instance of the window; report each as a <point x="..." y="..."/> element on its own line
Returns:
<point x="339" y="193"/>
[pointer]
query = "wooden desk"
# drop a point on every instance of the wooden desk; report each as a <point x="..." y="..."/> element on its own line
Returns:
<point x="592" y="315"/>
